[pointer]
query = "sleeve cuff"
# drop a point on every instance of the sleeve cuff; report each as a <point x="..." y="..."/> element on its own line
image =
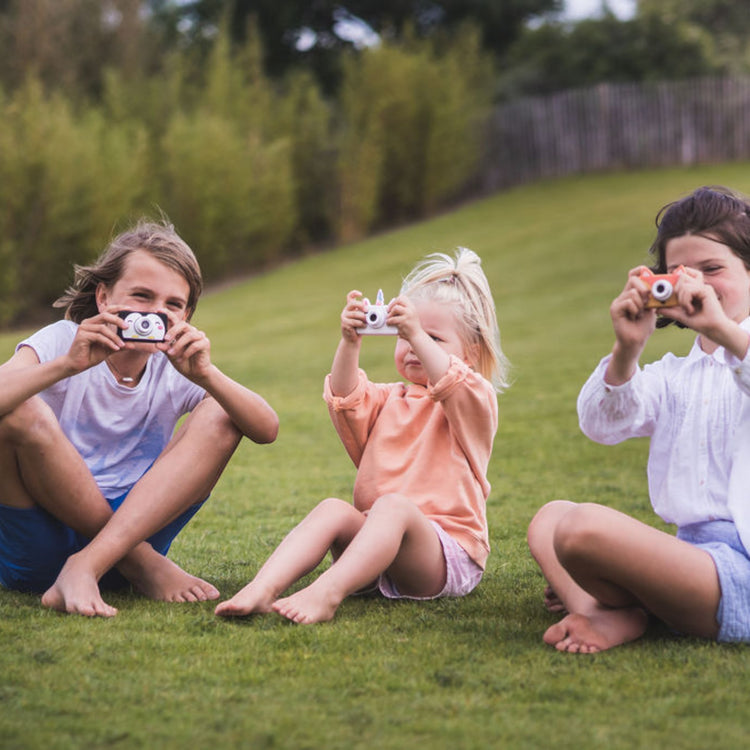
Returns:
<point x="601" y="371"/>
<point x="351" y="400"/>
<point x="740" y="369"/>
<point x="456" y="373"/>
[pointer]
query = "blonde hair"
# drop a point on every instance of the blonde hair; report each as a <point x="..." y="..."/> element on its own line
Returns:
<point x="461" y="282"/>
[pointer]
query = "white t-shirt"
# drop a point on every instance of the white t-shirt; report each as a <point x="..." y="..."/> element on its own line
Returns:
<point x="696" y="410"/>
<point x="119" y="431"/>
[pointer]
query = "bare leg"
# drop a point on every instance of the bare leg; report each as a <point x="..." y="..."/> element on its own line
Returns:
<point x="40" y="467"/>
<point x="397" y="537"/>
<point x="609" y="570"/>
<point x="184" y="474"/>
<point x="332" y="524"/>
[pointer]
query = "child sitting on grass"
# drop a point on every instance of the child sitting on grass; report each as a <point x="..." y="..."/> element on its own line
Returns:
<point x="417" y="528"/>
<point x="91" y="475"/>
<point x="607" y="571"/>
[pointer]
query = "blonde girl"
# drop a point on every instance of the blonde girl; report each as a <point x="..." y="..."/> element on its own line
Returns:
<point x="417" y="528"/>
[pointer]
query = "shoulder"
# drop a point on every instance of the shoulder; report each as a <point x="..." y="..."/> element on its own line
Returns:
<point x="51" y="340"/>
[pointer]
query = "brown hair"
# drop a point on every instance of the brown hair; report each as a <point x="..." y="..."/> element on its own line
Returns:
<point x="716" y="212"/>
<point x="157" y="238"/>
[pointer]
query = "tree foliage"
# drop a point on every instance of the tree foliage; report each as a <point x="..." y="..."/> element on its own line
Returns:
<point x="500" y="21"/>
<point x="557" y="56"/>
<point x="725" y="22"/>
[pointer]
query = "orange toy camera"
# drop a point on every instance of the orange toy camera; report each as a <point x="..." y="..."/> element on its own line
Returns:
<point x="662" y="287"/>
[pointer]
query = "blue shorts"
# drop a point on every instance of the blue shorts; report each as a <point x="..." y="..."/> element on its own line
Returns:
<point x="34" y="546"/>
<point x="721" y="541"/>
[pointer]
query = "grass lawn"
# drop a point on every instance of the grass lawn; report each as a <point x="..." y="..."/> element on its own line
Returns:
<point x="472" y="673"/>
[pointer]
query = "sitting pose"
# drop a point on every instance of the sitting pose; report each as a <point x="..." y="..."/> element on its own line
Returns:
<point x="418" y="525"/>
<point x="91" y="474"/>
<point x="606" y="571"/>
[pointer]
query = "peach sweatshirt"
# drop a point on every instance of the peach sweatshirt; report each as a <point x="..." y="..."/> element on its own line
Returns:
<point x="431" y="444"/>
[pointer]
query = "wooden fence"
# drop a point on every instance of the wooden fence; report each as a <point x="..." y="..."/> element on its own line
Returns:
<point x="618" y="126"/>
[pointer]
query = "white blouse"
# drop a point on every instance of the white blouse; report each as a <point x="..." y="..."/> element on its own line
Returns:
<point x="696" y="410"/>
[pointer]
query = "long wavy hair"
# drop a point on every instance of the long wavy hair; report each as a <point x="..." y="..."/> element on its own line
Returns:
<point x="156" y="238"/>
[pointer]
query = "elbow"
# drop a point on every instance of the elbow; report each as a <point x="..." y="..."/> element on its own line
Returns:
<point x="269" y="431"/>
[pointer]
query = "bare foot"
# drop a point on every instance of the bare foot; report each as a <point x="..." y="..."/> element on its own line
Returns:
<point x="76" y="590"/>
<point x="308" y="606"/>
<point x="589" y="634"/>
<point x="252" y="599"/>
<point x="552" y="601"/>
<point x="164" y="580"/>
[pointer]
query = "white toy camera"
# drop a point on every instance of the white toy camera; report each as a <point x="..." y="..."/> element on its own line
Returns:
<point x="143" y="326"/>
<point x="375" y="317"/>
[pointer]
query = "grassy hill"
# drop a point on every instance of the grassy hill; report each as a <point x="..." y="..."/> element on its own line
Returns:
<point x="472" y="673"/>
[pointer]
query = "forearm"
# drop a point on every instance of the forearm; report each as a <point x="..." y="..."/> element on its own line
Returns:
<point x="731" y="336"/>
<point x="623" y="364"/>
<point x="252" y="415"/>
<point x="435" y="360"/>
<point x="345" y="367"/>
<point x="18" y="383"/>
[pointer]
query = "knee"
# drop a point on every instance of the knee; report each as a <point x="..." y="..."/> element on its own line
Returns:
<point x="32" y="422"/>
<point x="333" y="510"/>
<point x="579" y="532"/>
<point x="333" y="505"/>
<point x="215" y="426"/>
<point x="392" y="505"/>
<point x="542" y="527"/>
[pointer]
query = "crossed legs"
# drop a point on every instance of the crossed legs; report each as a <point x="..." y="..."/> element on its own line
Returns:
<point x="40" y="467"/>
<point x="394" y="536"/>
<point x="608" y="571"/>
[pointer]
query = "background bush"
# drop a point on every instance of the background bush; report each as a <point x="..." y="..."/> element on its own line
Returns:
<point x="247" y="169"/>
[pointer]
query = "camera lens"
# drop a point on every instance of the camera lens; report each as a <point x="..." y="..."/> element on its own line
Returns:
<point x="661" y="290"/>
<point x="143" y="326"/>
<point x="375" y="318"/>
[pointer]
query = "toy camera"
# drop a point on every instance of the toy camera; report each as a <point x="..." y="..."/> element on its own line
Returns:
<point x="143" y="326"/>
<point x="661" y="287"/>
<point x="375" y="316"/>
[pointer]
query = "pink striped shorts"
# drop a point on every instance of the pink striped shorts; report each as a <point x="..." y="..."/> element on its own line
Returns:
<point x="462" y="573"/>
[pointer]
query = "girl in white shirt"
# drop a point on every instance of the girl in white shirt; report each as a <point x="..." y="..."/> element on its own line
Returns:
<point x="606" y="571"/>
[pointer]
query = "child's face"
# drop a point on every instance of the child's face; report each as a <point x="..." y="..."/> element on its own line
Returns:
<point x="439" y="322"/>
<point x="721" y="268"/>
<point x="146" y="285"/>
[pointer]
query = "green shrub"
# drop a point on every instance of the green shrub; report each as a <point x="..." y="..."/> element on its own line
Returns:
<point x="229" y="193"/>
<point x="305" y="117"/>
<point x="408" y="138"/>
<point x="65" y="177"/>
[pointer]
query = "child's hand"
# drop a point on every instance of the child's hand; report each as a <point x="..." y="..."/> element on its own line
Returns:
<point x="188" y="349"/>
<point x="95" y="339"/>
<point x="353" y="316"/>
<point x="699" y="307"/>
<point x="403" y="315"/>
<point x="632" y="320"/>
<point x="633" y="323"/>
